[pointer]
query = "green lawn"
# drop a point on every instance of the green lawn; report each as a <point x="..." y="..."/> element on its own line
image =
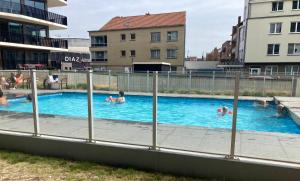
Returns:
<point x="19" y="166"/>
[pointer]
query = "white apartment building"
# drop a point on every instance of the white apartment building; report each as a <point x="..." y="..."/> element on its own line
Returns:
<point x="272" y="36"/>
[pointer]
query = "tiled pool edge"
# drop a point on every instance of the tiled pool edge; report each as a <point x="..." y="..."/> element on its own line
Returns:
<point x="292" y="104"/>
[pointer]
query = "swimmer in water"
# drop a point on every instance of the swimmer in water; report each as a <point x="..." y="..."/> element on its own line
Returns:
<point x="120" y="99"/>
<point x="224" y="110"/>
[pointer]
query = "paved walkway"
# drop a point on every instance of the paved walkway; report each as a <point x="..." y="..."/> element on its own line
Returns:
<point x="282" y="147"/>
<point x="293" y="105"/>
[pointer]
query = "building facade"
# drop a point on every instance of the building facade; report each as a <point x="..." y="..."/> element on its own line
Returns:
<point x="76" y="58"/>
<point x="272" y="42"/>
<point x="214" y="55"/>
<point x="147" y="38"/>
<point x="24" y="32"/>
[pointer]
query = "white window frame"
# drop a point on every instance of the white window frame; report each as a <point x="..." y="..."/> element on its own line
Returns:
<point x="298" y="5"/>
<point x="156" y="53"/>
<point x="170" y="37"/>
<point x="256" y="69"/>
<point x="277" y="7"/>
<point x="294" y="69"/>
<point x="273" y="52"/>
<point x="155" y="37"/>
<point x="271" y="68"/>
<point x="172" y="57"/>
<point x="294" y="49"/>
<point x="277" y="25"/>
<point x="296" y="27"/>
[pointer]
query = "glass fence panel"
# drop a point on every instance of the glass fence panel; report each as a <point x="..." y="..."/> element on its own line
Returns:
<point x="119" y="117"/>
<point x="194" y="122"/>
<point x="62" y="110"/>
<point x="15" y="112"/>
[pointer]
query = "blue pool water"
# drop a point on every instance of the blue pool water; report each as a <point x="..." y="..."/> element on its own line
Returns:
<point x="178" y="111"/>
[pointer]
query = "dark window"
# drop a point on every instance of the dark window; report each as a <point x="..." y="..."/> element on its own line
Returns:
<point x="295" y="27"/>
<point x="172" y="35"/>
<point x="155" y="54"/>
<point x="99" y="41"/>
<point x="171" y="54"/>
<point x="273" y="49"/>
<point x="100" y="56"/>
<point x="132" y="36"/>
<point x="155" y="37"/>
<point x="132" y="53"/>
<point x="123" y="53"/>
<point x="296" y="4"/>
<point x="277" y="6"/>
<point x="123" y="37"/>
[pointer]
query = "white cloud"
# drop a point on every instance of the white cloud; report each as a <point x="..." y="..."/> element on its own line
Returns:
<point x="209" y="23"/>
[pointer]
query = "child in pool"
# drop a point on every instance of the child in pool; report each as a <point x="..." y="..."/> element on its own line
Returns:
<point x="120" y="99"/>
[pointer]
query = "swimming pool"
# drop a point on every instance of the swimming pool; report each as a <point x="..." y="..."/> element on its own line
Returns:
<point x="178" y="111"/>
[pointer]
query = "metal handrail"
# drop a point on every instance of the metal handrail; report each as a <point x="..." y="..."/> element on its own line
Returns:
<point x="22" y="9"/>
<point x="12" y="37"/>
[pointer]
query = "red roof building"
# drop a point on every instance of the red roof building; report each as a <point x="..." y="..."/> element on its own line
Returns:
<point x="146" y="21"/>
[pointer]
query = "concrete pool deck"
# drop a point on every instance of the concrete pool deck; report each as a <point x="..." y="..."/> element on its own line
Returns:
<point x="270" y="146"/>
<point x="292" y="104"/>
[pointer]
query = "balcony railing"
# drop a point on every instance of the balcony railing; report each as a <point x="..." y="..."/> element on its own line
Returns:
<point x="22" y="9"/>
<point x="32" y="40"/>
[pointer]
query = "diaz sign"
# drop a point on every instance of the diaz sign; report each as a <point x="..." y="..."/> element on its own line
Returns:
<point x="73" y="59"/>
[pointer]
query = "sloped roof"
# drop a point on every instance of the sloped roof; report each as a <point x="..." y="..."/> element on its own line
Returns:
<point x="146" y="21"/>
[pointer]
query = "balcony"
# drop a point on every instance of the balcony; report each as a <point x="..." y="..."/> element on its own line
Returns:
<point x="33" y="42"/>
<point x="24" y="13"/>
<point x="56" y="3"/>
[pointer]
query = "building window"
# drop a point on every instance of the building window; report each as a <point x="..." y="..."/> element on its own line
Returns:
<point x="291" y="69"/>
<point x="99" y="41"/>
<point x="295" y="27"/>
<point x="155" y="37"/>
<point x="123" y="53"/>
<point x="132" y="36"/>
<point x="99" y="56"/>
<point x="296" y="4"/>
<point x="294" y="49"/>
<point x="171" y="53"/>
<point x="255" y="71"/>
<point x="273" y="49"/>
<point x="277" y="6"/>
<point x="271" y="70"/>
<point x="132" y="53"/>
<point x="123" y="37"/>
<point x="155" y="54"/>
<point x="172" y="35"/>
<point x="275" y="28"/>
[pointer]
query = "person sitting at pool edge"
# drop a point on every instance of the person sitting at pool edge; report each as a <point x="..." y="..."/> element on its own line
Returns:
<point x="120" y="99"/>
<point x="3" y="100"/>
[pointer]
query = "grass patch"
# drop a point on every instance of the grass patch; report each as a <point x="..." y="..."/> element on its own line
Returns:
<point x="19" y="166"/>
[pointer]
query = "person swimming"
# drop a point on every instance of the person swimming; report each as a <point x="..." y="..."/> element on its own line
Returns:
<point x="262" y="103"/>
<point x="3" y="100"/>
<point x="120" y="99"/>
<point x="224" y="110"/>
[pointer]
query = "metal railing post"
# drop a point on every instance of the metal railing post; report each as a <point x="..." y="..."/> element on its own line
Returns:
<point x="264" y="88"/>
<point x="35" y="106"/>
<point x="168" y="81"/>
<point x="154" y="111"/>
<point x="234" y="118"/>
<point x="190" y="79"/>
<point x="109" y="79"/>
<point x="213" y="82"/>
<point x="90" y="105"/>
<point x="148" y="81"/>
<point x="128" y="82"/>
<point x="293" y="92"/>
<point x="76" y="78"/>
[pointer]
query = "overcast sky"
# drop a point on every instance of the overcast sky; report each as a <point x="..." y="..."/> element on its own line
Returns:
<point x="209" y="23"/>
